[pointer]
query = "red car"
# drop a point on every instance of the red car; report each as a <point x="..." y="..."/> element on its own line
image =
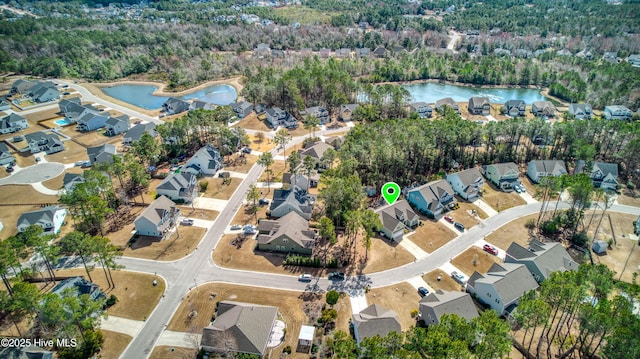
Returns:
<point x="490" y="249"/>
<point x="448" y="219"/>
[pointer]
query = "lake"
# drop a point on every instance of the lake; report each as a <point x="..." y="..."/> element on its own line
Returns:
<point x="142" y="95"/>
<point x="430" y="92"/>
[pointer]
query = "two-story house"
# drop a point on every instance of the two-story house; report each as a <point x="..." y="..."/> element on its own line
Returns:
<point x="396" y="218"/>
<point x="423" y="109"/>
<point x="91" y="121"/>
<point x="5" y="155"/>
<point x="278" y="117"/>
<point x="287" y="234"/>
<point x="48" y="143"/>
<point x="136" y="132"/>
<point x="431" y="197"/>
<point x="294" y="199"/>
<point x="207" y="161"/>
<point x="617" y="112"/>
<point x="503" y="175"/>
<point x="543" y="109"/>
<point x="603" y="175"/>
<point x="315" y="150"/>
<point x="515" y="108"/>
<point x="581" y="111"/>
<point x="537" y="169"/>
<point x="467" y="183"/>
<point x="101" y="154"/>
<point x="479" y="106"/>
<point x="44" y="91"/>
<point x="50" y="218"/>
<point x="117" y="125"/>
<point x="447" y="101"/>
<point x="434" y="305"/>
<point x="242" y="109"/>
<point x="346" y="111"/>
<point x="158" y="218"/>
<point x="318" y="112"/>
<point x="180" y="187"/>
<point x="175" y="105"/>
<point x="541" y="259"/>
<point x="13" y="123"/>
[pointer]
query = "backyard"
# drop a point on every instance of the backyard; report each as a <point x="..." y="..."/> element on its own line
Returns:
<point x="401" y="298"/>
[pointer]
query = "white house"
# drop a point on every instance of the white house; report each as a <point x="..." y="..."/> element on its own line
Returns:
<point x="467" y="183"/>
<point x="50" y="218"/>
<point x="617" y="112"/>
<point x="13" y="123"/>
<point x="423" y="109"/>
<point x="158" y="218"/>
<point x="581" y="111"/>
<point x="117" y="125"/>
<point x="179" y="187"/>
<point x="5" y="154"/>
<point x="537" y="169"/>
<point x="207" y="161"/>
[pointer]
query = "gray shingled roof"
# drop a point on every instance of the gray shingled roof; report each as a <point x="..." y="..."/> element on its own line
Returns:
<point x="240" y="327"/>
<point x="505" y="167"/>
<point x="549" y="166"/>
<point x="389" y="215"/>
<point x="315" y="150"/>
<point x="296" y="197"/>
<point x="510" y="280"/>
<point x="136" y="131"/>
<point x="291" y="226"/>
<point x="548" y="257"/>
<point x="156" y="210"/>
<point x="176" y="181"/>
<point x="440" y="303"/>
<point x="376" y="319"/>
<point x="468" y="176"/>
<point x="34" y="217"/>
<point x="433" y="191"/>
<point x="606" y="168"/>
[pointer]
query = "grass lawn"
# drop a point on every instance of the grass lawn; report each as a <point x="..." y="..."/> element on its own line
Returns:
<point x="10" y="214"/>
<point x="401" y="298"/>
<point x="513" y="231"/>
<point x="431" y="235"/>
<point x="167" y="352"/>
<point x="114" y="344"/>
<point x="246" y="216"/>
<point x="305" y="15"/>
<point x="25" y="159"/>
<point x="26" y="195"/>
<point x="277" y="169"/>
<point x="500" y="200"/>
<point x="528" y="185"/>
<point x="95" y="138"/>
<point x="137" y="297"/>
<point x="216" y="188"/>
<point x="300" y="131"/>
<point x="252" y="122"/>
<point x="291" y="149"/>
<point x="203" y="300"/>
<point x="38" y="116"/>
<point x="464" y="216"/>
<point x="630" y="197"/>
<point x="171" y="248"/>
<point x="384" y="255"/>
<point x="72" y="153"/>
<point x="240" y="164"/>
<point x="263" y="146"/>
<point x="483" y="260"/>
<point x="57" y="182"/>
<point x="230" y="256"/>
<point x="445" y="283"/>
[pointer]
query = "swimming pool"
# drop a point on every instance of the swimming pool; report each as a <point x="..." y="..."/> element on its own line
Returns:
<point x="63" y="122"/>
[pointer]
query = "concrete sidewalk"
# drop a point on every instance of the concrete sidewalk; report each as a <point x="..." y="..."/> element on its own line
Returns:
<point x="122" y="325"/>
<point x="528" y="198"/>
<point x="179" y="339"/>
<point x="485" y="207"/>
<point x="210" y="203"/>
<point x="358" y="302"/>
<point x="413" y="248"/>
<point x="418" y="282"/>
<point x="38" y="186"/>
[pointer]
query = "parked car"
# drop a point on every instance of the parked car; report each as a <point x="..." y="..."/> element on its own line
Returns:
<point x="423" y="291"/>
<point x="336" y="276"/>
<point x="235" y="227"/>
<point x="246" y="150"/>
<point x="522" y="188"/>
<point x="263" y="202"/>
<point x="10" y="169"/>
<point x="458" y="277"/>
<point x="66" y="93"/>
<point x="305" y="277"/>
<point x="459" y="226"/>
<point x="186" y="222"/>
<point x="249" y="229"/>
<point x="18" y="138"/>
<point x="490" y="249"/>
<point x="453" y="206"/>
<point x="449" y="219"/>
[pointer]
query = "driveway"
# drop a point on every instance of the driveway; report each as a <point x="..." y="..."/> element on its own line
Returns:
<point x="36" y="173"/>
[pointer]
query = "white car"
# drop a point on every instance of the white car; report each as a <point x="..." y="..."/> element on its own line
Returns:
<point x="305" y="277"/>
<point x="186" y="222"/>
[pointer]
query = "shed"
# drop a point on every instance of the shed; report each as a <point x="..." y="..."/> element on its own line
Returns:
<point x="600" y="247"/>
<point x="305" y="339"/>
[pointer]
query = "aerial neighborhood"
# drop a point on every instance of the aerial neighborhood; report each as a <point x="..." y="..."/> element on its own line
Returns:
<point x="436" y="186"/>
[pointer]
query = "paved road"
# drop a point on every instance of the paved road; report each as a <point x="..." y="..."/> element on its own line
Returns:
<point x="36" y="173"/>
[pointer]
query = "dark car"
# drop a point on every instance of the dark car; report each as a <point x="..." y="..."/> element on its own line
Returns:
<point x="336" y="276"/>
<point x="449" y="219"/>
<point x="459" y="226"/>
<point x="263" y="202"/>
<point x="423" y="291"/>
<point x="246" y="150"/>
<point x="490" y="249"/>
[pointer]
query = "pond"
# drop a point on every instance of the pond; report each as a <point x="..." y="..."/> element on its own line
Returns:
<point x="430" y="92"/>
<point x="142" y="95"/>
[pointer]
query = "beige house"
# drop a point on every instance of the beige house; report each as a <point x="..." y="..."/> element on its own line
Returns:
<point x="288" y="234"/>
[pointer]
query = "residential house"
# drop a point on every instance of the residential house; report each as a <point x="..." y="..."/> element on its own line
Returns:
<point x="447" y="101"/>
<point x="101" y="154"/>
<point x="335" y="141"/>
<point x="175" y="105"/>
<point x="502" y="286"/>
<point x="423" y="109"/>
<point x="611" y="57"/>
<point x="5" y="156"/>
<point x="346" y="111"/>
<point x="617" y="112"/>
<point x="279" y="117"/>
<point x="374" y="320"/>
<point x="156" y="220"/>
<point x="82" y="287"/>
<point x="262" y="50"/>
<point x="136" y="132"/>
<point x="201" y="105"/>
<point x="379" y="52"/>
<point x="479" y="106"/>
<point x="318" y="112"/>
<point x="241" y="328"/>
<point x="431" y="197"/>
<point x="634" y="60"/>
<point x="543" y="108"/>
<point x="91" y="121"/>
<point x="515" y="108"/>
<point x="280" y="54"/>
<point x="207" y="161"/>
<point x="50" y="218"/>
<point x="503" y="175"/>
<point x="314" y="149"/>
<point x="117" y="125"/>
<point x="4" y="105"/>
<point x="71" y="180"/>
<point x="13" y="123"/>
<point x="21" y="87"/>
<point x="603" y="175"/>
<point x="287" y="234"/>
<point x="26" y="352"/>
<point x="363" y="52"/>
<point x="73" y="110"/>
<point x="242" y="109"/>
<point x="541" y="259"/>
<point x="44" y="91"/>
<point x="48" y="143"/>
<point x="537" y="169"/>
<point x="343" y="53"/>
<point x="179" y="187"/>
<point x="293" y="199"/>
<point x="324" y="52"/>
<point x="435" y="304"/>
<point x="581" y="111"/>
<point x="396" y="218"/>
<point x="467" y="183"/>
<point x="301" y="181"/>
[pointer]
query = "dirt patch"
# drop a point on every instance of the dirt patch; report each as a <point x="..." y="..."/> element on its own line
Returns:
<point x="474" y="259"/>
<point x="446" y="283"/>
<point x="24" y="159"/>
<point x="120" y="232"/>
<point x="232" y="252"/>
<point x="93" y="138"/>
<point x="72" y="153"/>
<point x="401" y="298"/>
<point x="221" y="188"/>
<point x="465" y="214"/>
<point x="277" y="170"/>
<point x="246" y="215"/>
<point x="499" y="200"/>
<point x="252" y="122"/>
<point x="240" y="163"/>
<point x="39" y="116"/>
<point x="175" y="246"/>
<point x="629" y="197"/>
<point x="203" y="301"/>
<point x="208" y="214"/>
<point x="384" y="255"/>
<point x="431" y="235"/>
<point x="137" y="297"/>
<point x="291" y="149"/>
<point x="27" y="195"/>
<point x="263" y="146"/>
<point x="114" y="344"/>
<point x="513" y="231"/>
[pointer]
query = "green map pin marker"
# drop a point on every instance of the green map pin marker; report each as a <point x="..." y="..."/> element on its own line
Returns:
<point x="391" y="192"/>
